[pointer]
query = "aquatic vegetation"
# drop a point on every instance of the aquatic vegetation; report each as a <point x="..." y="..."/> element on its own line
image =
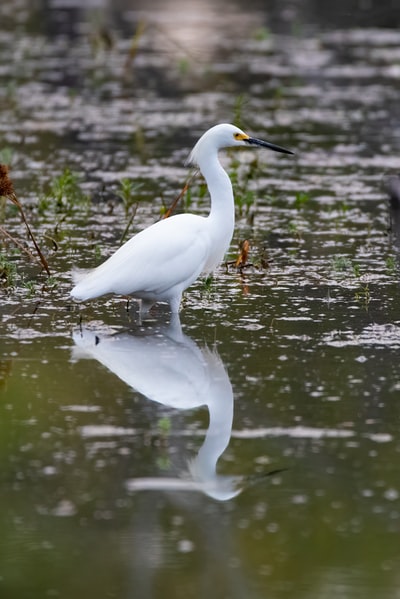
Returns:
<point x="363" y="296"/>
<point x="29" y="287"/>
<point x="207" y="287"/>
<point x="261" y="34"/>
<point x="295" y="229"/>
<point x="64" y="195"/>
<point x="341" y="264"/>
<point x="128" y="193"/>
<point x="8" y="271"/>
<point x="183" y="66"/>
<point x="50" y="284"/>
<point x="241" y="177"/>
<point x="6" y="155"/>
<point x="301" y="199"/>
<point x="13" y="278"/>
<point x="134" y="47"/>
<point x="356" y="269"/>
<point x="164" y="426"/>
<point x="391" y="265"/>
<point x="239" y="107"/>
<point x="101" y="39"/>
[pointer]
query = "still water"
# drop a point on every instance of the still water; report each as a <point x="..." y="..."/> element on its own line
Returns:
<point x="250" y="447"/>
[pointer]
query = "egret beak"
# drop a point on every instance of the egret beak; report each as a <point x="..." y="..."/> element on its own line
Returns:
<point x="253" y="141"/>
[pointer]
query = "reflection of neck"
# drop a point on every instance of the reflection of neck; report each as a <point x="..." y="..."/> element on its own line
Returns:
<point x="219" y="430"/>
<point x="174" y="330"/>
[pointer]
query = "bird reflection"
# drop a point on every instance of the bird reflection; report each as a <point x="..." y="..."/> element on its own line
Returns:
<point x="168" y="367"/>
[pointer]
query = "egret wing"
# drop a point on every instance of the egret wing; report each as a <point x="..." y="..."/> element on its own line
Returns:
<point x="171" y="253"/>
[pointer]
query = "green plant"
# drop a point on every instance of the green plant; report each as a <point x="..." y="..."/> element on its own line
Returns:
<point x="97" y="252"/>
<point x="29" y="286"/>
<point x="208" y="283"/>
<point x="183" y="66"/>
<point x="278" y="93"/>
<point x="127" y="191"/>
<point x="240" y="102"/>
<point x="65" y="193"/>
<point x="363" y="296"/>
<point x="356" y="269"/>
<point x="295" y="230"/>
<point x="391" y="265"/>
<point x="341" y="263"/>
<point x="51" y="283"/>
<point x="262" y="34"/>
<point x="187" y="200"/>
<point x="6" y="155"/>
<point x="245" y="197"/>
<point x="44" y="203"/>
<point x="301" y="198"/>
<point x="164" y="425"/>
<point x="244" y="201"/>
<point x="8" y="271"/>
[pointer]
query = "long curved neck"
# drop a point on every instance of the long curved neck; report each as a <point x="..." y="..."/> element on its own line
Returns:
<point x="219" y="186"/>
<point x="222" y="214"/>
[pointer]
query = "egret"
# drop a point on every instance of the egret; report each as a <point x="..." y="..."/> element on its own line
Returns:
<point x="160" y="262"/>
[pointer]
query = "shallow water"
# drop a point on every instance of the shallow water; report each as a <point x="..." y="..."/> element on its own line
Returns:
<point x="251" y="448"/>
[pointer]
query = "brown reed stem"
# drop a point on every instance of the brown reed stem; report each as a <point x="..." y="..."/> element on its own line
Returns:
<point x="7" y="191"/>
<point x="178" y="198"/>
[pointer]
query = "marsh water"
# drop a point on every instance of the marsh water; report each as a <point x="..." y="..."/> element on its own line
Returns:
<point x="250" y="447"/>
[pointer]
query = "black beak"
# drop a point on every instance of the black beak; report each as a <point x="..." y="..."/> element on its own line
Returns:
<point x="253" y="141"/>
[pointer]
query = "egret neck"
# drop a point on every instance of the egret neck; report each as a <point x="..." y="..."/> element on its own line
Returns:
<point x="222" y="214"/>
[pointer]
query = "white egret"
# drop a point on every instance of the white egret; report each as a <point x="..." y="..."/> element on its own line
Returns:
<point x="160" y="262"/>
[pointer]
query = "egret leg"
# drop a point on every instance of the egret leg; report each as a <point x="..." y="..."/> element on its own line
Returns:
<point x="145" y="306"/>
<point x="175" y="303"/>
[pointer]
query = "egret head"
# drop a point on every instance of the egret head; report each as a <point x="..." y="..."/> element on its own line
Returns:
<point x="227" y="136"/>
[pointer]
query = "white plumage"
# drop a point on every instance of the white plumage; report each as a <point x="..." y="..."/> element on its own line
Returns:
<point x="160" y="262"/>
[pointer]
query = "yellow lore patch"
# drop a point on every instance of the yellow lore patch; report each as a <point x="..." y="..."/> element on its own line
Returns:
<point x="241" y="136"/>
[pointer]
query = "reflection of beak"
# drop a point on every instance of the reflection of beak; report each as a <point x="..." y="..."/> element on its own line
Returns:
<point x="253" y="141"/>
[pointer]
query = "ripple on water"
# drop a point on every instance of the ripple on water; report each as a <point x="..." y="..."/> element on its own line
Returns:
<point x="373" y="335"/>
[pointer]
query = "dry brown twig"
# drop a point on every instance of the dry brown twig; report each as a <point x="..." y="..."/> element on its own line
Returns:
<point x="133" y="49"/>
<point x="242" y="259"/>
<point x="7" y="191"/>
<point x="178" y="198"/>
<point x="19" y="245"/>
